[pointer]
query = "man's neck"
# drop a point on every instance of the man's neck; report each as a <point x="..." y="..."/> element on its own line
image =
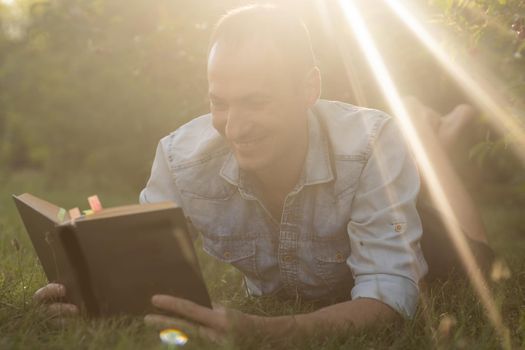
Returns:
<point x="282" y="177"/>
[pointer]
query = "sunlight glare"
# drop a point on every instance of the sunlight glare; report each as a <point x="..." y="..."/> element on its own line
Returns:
<point x="355" y="84"/>
<point x="383" y="77"/>
<point x="8" y="2"/>
<point x="483" y="92"/>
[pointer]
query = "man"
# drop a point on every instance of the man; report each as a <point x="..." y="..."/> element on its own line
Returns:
<point x="307" y="198"/>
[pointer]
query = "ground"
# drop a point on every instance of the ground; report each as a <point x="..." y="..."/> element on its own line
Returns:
<point x="450" y="315"/>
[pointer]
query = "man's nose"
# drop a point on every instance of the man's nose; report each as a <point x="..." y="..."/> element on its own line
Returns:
<point x="238" y="125"/>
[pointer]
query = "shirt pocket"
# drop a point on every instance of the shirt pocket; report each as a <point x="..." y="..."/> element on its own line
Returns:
<point x="238" y="251"/>
<point x="330" y="262"/>
<point x="202" y="181"/>
<point x="210" y="210"/>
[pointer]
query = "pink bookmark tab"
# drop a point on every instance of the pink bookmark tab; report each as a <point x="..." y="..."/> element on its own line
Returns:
<point x="74" y="213"/>
<point x="94" y="203"/>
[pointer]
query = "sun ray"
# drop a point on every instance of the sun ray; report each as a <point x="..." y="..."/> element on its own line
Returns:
<point x="485" y="92"/>
<point x="350" y="70"/>
<point x="387" y="85"/>
<point x="360" y="98"/>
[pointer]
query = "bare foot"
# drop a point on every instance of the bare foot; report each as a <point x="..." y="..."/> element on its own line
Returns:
<point x="455" y="124"/>
<point x="440" y="136"/>
<point x="422" y="114"/>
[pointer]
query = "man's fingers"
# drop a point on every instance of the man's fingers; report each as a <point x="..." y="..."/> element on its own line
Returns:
<point x="190" y="310"/>
<point x="49" y="293"/>
<point x="62" y="310"/>
<point x="162" y="322"/>
<point x="59" y="312"/>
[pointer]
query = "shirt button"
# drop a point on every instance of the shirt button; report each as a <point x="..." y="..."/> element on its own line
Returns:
<point x="287" y="258"/>
<point x="339" y="257"/>
<point x="227" y="254"/>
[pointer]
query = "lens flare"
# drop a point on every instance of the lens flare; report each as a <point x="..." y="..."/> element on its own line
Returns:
<point x="355" y="20"/>
<point x="173" y="336"/>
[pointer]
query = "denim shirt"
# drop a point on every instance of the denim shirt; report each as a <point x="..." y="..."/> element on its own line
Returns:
<point x="349" y="227"/>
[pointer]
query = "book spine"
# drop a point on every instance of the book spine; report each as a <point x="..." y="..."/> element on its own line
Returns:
<point x="77" y="261"/>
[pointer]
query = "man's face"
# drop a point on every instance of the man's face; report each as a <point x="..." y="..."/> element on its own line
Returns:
<point x="255" y="104"/>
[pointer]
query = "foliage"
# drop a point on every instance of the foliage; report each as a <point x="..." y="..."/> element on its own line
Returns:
<point x="491" y="33"/>
<point x="94" y="84"/>
<point x="91" y="86"/>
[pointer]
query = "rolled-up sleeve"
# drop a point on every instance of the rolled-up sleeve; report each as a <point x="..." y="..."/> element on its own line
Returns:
<point x="160" y="186"/>
<point x="385" y="228"/>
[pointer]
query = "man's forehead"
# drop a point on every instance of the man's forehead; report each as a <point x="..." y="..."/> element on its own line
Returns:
<point x="246" y="71"/>
<point x="253" y="54"/>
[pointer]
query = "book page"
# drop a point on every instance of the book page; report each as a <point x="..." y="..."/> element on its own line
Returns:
<point x="45" y="208"/>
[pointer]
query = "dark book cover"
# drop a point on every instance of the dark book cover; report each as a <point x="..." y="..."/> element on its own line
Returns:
<point x="113" y="261"/>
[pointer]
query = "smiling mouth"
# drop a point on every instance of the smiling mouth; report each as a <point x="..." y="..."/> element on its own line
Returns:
<point x="250" y="142"/>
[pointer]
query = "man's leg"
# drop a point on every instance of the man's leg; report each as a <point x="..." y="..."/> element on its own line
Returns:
<point x="440" y="135"/>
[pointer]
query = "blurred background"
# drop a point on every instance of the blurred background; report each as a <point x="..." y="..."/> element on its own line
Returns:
<point x="88" y="87"/>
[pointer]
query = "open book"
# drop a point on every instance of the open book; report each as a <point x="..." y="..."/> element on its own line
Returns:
<point x="114" y="260"/>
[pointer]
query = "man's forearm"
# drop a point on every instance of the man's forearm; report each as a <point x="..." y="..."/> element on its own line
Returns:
<point x="357" y="314"/>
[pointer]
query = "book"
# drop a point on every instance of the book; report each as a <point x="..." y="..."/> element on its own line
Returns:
<point x="113" y="261"/>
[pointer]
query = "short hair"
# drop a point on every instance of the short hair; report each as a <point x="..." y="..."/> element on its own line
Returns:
<point x="272" y="24"/>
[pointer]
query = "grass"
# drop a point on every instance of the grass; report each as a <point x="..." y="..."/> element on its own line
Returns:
<point x="449" y="317"/>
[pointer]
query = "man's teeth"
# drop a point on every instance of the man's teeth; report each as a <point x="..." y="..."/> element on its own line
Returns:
<point x="250" y="142"/>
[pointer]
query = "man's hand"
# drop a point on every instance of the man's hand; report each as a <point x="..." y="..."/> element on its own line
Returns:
<point x="214" y="324"/>
<point x="50" y="296"/>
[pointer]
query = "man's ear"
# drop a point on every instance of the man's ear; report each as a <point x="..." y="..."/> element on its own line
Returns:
<point x="312" y="86"/>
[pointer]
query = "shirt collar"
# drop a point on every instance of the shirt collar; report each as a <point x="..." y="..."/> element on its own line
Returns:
<point x="230" y="170"/>
<point x="317" y="167"/>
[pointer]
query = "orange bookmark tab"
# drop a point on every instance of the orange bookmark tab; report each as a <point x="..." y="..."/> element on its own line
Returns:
<point x="74" y="213"/>
<point x="94" y="203"/>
